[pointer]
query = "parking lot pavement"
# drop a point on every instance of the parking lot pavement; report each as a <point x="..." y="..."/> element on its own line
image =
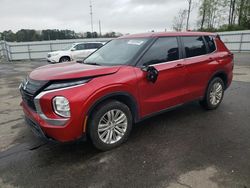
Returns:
<point x="186" y="147"/>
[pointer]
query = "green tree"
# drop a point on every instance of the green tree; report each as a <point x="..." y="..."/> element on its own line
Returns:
<point x="221" y="15"/>
<point x="178" y="22"/>
<point x="8" y="36"/>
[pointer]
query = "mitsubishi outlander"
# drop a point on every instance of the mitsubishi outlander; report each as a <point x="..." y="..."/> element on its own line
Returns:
<point x="125" y="81"/>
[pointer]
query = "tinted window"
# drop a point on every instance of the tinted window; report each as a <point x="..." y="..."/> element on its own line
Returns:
<point x="80" y="47"/>
<point x="90" y="46"/>
<point x="97" y="45"/>
<point x="93" y="45"/>
<point x="163" y="50"/>
<point x="194" y="46"/>
<point x="210" y="43"/>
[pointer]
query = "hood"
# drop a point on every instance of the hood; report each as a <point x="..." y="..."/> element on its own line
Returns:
<point x="70" y="70"/>
<point x="55" y="52"/>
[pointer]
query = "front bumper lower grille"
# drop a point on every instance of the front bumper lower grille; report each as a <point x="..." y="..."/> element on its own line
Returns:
<point x="36" y="129"/>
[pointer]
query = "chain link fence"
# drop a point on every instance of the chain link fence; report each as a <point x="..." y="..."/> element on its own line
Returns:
<point x="12" y="51"/>
<point x="238" y="41"/>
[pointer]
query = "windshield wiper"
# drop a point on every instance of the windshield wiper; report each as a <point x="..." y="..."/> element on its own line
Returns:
<point x="79" y="61"/>
<point x="90" y="63"/>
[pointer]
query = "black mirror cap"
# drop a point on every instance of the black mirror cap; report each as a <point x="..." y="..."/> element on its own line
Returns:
<point x="152" y="73"/>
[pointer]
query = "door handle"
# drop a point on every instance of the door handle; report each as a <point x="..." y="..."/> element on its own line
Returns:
<point x="179" y="65"/>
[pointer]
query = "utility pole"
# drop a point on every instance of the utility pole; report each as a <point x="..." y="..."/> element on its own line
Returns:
<point x="91" y="16"/>
<point x="100" y="28"/>
<point x="188" y="16"/>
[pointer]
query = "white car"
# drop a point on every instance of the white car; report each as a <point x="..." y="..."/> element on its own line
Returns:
<point x="76" y="51"/>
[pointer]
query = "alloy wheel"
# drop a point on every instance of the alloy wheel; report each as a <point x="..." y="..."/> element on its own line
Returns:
<point x="216" y="93"/>
<point x="112" y="126"/>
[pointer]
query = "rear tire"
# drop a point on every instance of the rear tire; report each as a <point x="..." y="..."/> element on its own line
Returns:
<point x="64" y="59"/>
<point x="110" y="125"/>
<point x="214" y="94"/>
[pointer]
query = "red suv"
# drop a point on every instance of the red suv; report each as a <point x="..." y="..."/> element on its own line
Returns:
<point x="127" y="80"/>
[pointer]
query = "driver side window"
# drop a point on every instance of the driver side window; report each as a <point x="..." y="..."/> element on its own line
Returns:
<point x="163" y="50"/>
<point x="80" y="47"/>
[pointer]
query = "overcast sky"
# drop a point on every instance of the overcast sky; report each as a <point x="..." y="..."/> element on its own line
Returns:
<point x="125" y="16"/>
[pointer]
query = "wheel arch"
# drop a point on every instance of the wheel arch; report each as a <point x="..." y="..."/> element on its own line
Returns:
<point x="221" y="74"/>
<point x="67" y="56"/>
<point x="123" y="97"/>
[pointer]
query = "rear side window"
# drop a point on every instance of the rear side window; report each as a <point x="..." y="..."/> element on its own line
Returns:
<point x="89" y="46"/>
<point x="194" y="46"/>
<point x="93" y="45"/>
<point x="210" y="43"/>
<point x="163" y="50"/>
<point x="97" y="45"/>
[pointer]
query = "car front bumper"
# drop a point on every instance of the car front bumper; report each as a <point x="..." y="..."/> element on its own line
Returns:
<point x="36" y="129"/>
<point x="48" y="133"/>
<point x="46" y="124"/>
<point x="51" y="60"/>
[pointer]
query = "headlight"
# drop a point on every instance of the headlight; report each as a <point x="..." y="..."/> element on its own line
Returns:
<point x="58" y="85"/>
<point x="61" y="106"/>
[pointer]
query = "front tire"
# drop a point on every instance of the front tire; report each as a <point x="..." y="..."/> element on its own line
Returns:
<point x="64" y="59"/>
<point x="214" y="94"/>
<point x="110" y="125"/>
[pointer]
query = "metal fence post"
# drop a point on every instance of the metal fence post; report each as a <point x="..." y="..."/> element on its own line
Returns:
<point x="9" y="52"/>
<point x="6" y="51"/>
<point x="50" y="46"/>
<point x="241" y="40"/>
<point x="2" y="48"/>
<point x="29" y="51"/>
<point x="1" y="51"/>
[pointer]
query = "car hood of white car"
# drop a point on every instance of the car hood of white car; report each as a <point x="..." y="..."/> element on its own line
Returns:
<point x="58" y="52"/>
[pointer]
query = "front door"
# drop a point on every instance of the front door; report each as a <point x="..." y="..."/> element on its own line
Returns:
<point x="167" y="91"/>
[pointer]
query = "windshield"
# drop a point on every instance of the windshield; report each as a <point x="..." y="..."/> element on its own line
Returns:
<point x="117" y="52"/>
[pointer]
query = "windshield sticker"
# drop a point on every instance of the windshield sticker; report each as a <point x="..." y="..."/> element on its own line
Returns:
<point x="136" y="42"/>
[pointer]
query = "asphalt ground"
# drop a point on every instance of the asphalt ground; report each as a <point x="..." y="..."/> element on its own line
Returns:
<point x="186" y="147"/>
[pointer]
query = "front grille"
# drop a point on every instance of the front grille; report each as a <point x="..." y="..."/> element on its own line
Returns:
<point x="29" y="89"/>
<point x="32" y="86"/>
<point x="28" y="99"/>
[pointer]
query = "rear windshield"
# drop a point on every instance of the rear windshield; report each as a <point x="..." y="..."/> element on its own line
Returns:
<point x="117" y="52"/>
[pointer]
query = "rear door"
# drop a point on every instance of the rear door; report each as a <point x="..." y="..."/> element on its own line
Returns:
<point x="198" y="65"/>
<point x="90" y="48"/>
<point x="79" y="52"/>
<point x="169" y="88"/>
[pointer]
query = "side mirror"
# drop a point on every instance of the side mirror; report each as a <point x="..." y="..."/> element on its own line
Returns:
<point x="73" y="49"/>
<point x="152" y="73"/>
